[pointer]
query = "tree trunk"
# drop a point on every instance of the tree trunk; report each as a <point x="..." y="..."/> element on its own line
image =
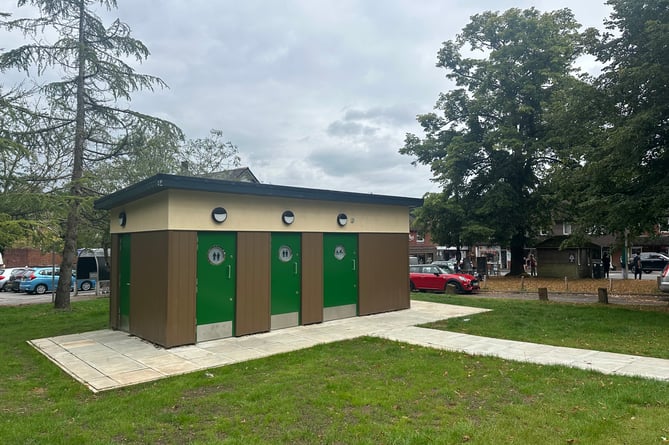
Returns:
<point x="71" y="231"/>
<point x="517" y="248"/>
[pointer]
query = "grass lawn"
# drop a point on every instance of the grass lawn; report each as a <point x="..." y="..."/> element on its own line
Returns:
<point x="613" y="328"/>
<point x="364" y="391"/>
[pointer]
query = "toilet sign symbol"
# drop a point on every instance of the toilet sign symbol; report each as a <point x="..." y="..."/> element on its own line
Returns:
<point x="285" y="253"/>
<point x="572" y="258"/>
<point x="339" y="252"/>
<point x="216" y="255"/>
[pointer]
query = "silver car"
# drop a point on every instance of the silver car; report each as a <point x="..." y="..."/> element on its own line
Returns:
<point x="664" y="282"/>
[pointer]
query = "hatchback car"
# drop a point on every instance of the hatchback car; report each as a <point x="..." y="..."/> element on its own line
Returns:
<point x="664" y="281"/>
<point x="14" y="280"/>
<point x="651" y="261"/>
<point x="4" y="277"/>
<point x="438" y="278"/>
<point x="40" y="280"/>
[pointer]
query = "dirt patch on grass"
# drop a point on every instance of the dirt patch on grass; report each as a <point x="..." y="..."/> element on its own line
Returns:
<point x="639" y="293"/>
<point x="586" y="285"/>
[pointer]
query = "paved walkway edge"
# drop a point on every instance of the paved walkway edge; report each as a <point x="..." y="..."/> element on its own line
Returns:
<point x="107" y="359"/>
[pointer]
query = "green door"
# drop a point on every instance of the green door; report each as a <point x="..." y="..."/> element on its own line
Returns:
<point x="286" y="273"/>
<point x="340" y="275"/>
<point x="124" y="282"/>
<point x="216" y="283"/>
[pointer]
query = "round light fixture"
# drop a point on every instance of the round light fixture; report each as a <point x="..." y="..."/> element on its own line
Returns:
<point x="288" y="217"/>
<point x="219" y="215"/>
<point x="342" y="219"/>
<point x="122" y="219"/>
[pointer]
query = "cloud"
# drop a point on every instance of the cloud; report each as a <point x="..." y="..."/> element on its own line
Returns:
<point x="314" y="93"/>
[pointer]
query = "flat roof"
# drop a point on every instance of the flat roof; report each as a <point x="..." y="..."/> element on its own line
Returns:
<point x="162" y="182"/>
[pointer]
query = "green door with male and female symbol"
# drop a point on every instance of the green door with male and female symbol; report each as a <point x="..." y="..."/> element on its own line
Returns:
<point x="286" y="280"/>
<point x="216" y="285"/>
<point x="340" y="275"/>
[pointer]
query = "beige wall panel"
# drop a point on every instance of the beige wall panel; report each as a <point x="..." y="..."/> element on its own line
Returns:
<point x="187" y="210"/>
<point x="148" y="289"/>
<point x="312" y="278"/>
<point x="181" y="288"/>
<point x="384" y="272"/>
<point x="145" y="214"/>
<point x="252" y="312"/>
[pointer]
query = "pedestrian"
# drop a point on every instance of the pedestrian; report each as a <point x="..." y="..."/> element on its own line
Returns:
<point x="606" y="264"/>
<point x="533" y="265"/>
<point x="636" y="265"/>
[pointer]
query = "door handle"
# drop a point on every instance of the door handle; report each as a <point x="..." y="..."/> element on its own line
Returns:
<point x="295" y="267"/>
<point x="229" y="271"/>
<point x="353" y="264"/>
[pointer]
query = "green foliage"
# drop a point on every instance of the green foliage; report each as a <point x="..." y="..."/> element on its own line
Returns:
<point x="83" y="116"/>
<point x="492" y="144"/>
<point x="623" y="183"/>
<point x="210" y="154"/>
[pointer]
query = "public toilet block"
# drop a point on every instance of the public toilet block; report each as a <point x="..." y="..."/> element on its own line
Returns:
<point x="196" y="259"/>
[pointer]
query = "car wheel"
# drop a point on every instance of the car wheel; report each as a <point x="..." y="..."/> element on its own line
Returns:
<point x="458" y="287"/>
<point x="40" y="289"/>
<point x="86" y="285"/>
<point x="647" y="271"/>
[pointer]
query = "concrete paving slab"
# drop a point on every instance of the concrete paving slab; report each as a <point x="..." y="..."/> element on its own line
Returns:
<point x="106" y="359"/>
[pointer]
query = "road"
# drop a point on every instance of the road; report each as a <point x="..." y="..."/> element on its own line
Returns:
<point x="19" y="299"/>
<point x="618" y="275"/>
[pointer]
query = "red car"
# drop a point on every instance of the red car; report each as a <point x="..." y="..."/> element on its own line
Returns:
<point x="435" y="278"/>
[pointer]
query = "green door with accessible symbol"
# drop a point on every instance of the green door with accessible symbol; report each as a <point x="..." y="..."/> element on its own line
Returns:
<point x="286" y="280"/>
<point x="340" y="275"/>
<point x="216" y="284"/>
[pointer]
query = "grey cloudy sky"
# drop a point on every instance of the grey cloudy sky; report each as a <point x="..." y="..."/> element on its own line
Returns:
<point x="315" y="93"/>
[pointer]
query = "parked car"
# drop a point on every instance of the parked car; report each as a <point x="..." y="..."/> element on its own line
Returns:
<point x="41" y="280"/>
<point x="437" y="278"/>
<point x="4" y="277"/>
<point x="664" y="282"/>
<point x="14" y="280"/>
<point x="651" y="261"/>
<point x="451" y="264"/>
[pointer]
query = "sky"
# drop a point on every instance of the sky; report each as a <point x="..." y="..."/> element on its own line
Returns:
<point x="314" y="93"/>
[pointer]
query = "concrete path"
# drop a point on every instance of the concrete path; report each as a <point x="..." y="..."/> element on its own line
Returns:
<point x="106" y="359"/>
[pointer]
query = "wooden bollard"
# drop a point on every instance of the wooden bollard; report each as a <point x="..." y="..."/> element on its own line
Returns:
<point x="543" y="294"/>
<point x="603" y="295"/>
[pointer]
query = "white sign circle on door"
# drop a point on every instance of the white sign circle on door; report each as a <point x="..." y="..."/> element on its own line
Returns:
<point x="285" y="253"/>
<point x="339" y="252"/>
<point x="216" y="255"/>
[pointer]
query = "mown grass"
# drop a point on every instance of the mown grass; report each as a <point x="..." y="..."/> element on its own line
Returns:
<point x="625" y="329"/>
<point x="364" y="391"/>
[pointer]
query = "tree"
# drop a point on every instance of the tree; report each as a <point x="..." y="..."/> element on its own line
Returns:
<point x="623" y="185"/>
<point x="150" y="154"/>
<point x="86" y="106"/>
<point x="493" y="143"/>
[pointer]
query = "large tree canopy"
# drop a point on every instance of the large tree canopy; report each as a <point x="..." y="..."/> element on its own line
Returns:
<point x="624" y="184"/>
<point x="85" y="111"/>
<point x="492" y="140"/>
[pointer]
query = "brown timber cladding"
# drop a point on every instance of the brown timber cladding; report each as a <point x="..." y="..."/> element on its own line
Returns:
<point x="164" y="277"/>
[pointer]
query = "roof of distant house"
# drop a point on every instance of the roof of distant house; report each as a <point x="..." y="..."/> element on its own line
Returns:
<point x="243" y="174"/>
<point x="162" y="182"/>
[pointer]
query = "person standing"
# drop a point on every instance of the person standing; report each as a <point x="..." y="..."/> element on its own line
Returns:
<point x="636" y="265"/>
<point x="606" y="264"/>
<point x="533" y="265"/>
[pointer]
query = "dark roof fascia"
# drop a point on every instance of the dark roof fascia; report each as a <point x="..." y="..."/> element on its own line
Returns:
<point x="555" y="242"/>
<point x="162" y="182"/>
